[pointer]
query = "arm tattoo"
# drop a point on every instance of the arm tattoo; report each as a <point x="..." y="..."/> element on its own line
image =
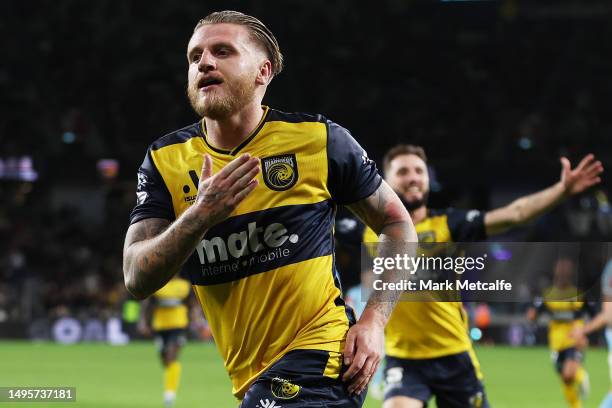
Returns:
<point x="155" y="249"/>
<point x="386" y="215"/>
<point x="372" y="209"/>
<point x="145" y="229"/>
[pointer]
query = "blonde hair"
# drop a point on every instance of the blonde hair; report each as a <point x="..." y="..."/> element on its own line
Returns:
<point x="259" y="32"/>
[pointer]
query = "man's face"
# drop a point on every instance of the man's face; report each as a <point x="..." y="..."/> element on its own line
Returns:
<point x="224" y="69"/>
<point x="564" y="272"/>
<point x="407" y="175"/>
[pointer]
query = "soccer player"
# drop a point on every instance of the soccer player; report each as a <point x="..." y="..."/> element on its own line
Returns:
<point x="429" y="352"/>
<point x="563" y="302"/>
<point x="254" y="227"/>
<point x="601" y="320"/>
<point x="166" y="314"/>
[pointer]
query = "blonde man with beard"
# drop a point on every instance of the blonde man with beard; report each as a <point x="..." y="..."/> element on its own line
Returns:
<point x="244" y="200"/>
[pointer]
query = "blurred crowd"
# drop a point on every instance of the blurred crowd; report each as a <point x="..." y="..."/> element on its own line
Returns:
<point x="54" y="263"/>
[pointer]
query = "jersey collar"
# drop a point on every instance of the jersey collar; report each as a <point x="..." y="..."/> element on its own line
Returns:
<point x="245" y="142"/>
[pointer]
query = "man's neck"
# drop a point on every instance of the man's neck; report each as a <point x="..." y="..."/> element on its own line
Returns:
<point x="418" y="214"/>
<point x="229" y="132"/>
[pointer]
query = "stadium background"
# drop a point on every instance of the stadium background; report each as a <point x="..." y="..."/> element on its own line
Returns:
<point x="495" y="91"/>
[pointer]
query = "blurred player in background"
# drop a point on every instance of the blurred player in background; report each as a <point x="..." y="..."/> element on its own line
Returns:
<point x="601" y="320"/>
<point x="564" y="303"/>
<point x="429" y="352"/>
<point x="166" y="314"/>
<point x="258" y="245"/>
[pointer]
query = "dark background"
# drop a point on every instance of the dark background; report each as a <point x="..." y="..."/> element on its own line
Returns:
<point x="495" y="91"/>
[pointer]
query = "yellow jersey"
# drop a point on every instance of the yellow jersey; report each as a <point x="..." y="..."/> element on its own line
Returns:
<point x="266" y="277"/>
<point x="424" y="330"/>
<point x="170" y="311"/>
<point x="566" y="308"/>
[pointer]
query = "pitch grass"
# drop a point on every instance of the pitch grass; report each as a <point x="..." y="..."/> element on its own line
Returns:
<point x="131" y="377"/>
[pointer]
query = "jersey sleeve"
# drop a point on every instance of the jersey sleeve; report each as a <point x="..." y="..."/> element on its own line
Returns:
<point x="153" y="199"/>
<point x="466" y="225"/>
<point x="352" y="176"/>
<point x="606" y="280"/>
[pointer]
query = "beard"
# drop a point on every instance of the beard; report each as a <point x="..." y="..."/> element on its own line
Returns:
<point x="238" y="93"/>
<point x="414" y="204"/>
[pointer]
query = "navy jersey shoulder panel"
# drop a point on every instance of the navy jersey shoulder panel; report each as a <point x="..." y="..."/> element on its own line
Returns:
<point x="178" y="136"/>
<point x="352" y="176"/>
<point x="297" y="117"/>
<point x="153" y="200"/>
<point x="466" y="225"/>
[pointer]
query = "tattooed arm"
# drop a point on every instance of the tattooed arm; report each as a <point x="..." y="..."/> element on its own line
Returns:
<point x="155" y="249"/>
<point x="386" y="215"/>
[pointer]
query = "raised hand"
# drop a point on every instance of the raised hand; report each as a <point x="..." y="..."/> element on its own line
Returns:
<point x="585" y="175"/>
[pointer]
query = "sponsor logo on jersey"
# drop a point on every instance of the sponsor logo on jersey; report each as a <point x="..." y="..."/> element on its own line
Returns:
<point x="242" y="243"/>
<point x="280" y="173"/>
<point x="141" y="193"/>
<point x="191" y="194"/>
<point x="283" y="389"/>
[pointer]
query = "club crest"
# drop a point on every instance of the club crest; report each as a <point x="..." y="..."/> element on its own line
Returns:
<point x="280" y="173"/>
<point x="283" y="389"/>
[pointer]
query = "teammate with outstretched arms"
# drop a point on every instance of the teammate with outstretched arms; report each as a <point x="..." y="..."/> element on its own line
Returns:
<point x="244" y="201"/>
<point x="429" y="352"/>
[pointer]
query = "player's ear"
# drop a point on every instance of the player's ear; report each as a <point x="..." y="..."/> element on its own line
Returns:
<point x="264" y="76"/>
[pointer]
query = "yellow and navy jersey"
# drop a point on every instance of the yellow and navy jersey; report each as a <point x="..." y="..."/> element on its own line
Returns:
<point x="169" y="308"/>
<point x="420" y="330"/>
<point x="564" y="314"/>
<point x="266" y="277"/>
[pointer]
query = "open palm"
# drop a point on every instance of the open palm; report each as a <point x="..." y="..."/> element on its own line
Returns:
<point x="585" y="175"/>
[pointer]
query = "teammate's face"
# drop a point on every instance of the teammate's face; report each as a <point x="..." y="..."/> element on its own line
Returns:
<point x="564" y="272"/>
<point x="407" y="175"/>
<point x="224" y="69"/>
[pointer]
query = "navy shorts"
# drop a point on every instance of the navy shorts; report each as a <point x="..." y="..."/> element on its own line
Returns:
<point x="296" y="381"/>
<point x="560" y="357"/>
<point x="166" y="338"/>
<point x="451" y="379"/>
